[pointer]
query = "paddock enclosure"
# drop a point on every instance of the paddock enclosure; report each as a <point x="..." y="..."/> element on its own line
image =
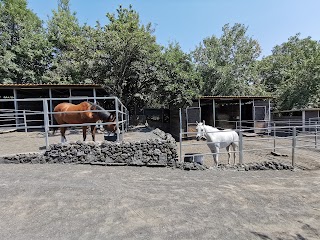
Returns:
<point x="42" y="120"/>
<point x="67" y="201"/>
<point x="295" y="144"/>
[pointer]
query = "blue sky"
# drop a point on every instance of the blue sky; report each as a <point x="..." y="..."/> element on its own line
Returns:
<point x="188" y="22"/>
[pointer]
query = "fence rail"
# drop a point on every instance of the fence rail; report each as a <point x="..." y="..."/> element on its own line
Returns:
<point x="281" y="136"/>
<point x="28" y="119"/>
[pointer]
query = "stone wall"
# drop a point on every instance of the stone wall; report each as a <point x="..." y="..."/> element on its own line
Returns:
<point x="160" y="151"/>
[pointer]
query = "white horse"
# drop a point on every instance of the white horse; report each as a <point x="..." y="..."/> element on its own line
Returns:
<point x="217" y="139"/>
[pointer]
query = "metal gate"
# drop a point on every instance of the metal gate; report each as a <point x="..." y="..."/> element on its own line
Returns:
<point x="193" y="115"/>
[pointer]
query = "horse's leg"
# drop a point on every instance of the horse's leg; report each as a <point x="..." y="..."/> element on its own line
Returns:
<point x="84" y="132"/>
<point x="229" y="154"/>
<point x="215" y="152"/>
<point x="93" y="132"/>
<point x="234" y="146"/>
<point x="216" y="156"/>
<point x="63" y="134"/>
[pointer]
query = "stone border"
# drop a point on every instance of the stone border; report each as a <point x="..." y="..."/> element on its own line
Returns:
<point x="158" y="152"/>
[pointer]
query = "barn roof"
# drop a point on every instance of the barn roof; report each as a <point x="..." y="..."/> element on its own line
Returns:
<point x="30" y="85"/>
<point x="235" y="97"/>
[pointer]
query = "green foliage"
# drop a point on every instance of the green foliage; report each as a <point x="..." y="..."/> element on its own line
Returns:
<point x="25" y="52"/>
<point x="181" y="83"/>
<point x="228" y="65"/>
<point x="124" y="57"/>
<point x="292" y="73"/>
<point x="65" y="34"/>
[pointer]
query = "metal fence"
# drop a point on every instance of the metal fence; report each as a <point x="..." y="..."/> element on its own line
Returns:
<point x="28" y="120"/>
<point x="282" y="137"/>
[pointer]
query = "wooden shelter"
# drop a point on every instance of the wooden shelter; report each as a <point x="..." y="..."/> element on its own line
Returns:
<point x="297" y="117"/>
<point x="236" y="112"/>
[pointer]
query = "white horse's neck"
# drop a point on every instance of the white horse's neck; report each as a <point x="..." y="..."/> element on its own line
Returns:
<point x="209" y="129"/>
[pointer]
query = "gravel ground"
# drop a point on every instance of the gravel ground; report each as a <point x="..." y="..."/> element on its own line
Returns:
<point x="48" y="201"/>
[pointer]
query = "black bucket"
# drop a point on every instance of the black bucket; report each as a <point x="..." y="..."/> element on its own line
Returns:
<point x="194" y="157"/>
<point x="110" y="137"/>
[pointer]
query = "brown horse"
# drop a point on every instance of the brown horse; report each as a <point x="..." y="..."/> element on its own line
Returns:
<point x="68" y="113"/>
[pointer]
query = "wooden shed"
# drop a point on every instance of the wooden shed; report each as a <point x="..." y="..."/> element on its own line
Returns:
<point x="236" y="112"/>
<point x="297" y="117"/>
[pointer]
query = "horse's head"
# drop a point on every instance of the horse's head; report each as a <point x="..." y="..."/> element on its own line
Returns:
<point x="105" y="117"/>
<point x="112" y="126"/>
<point x="200" y="131"/>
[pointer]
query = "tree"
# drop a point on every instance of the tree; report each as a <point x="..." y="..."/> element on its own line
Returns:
<point x="181" y="83"/>
<point x="228" y="65"/>
<point x="125" y="58"/>
<point x="25" y="52"/>
<point x="65" y="34"/>
<point x="292" y="73"/>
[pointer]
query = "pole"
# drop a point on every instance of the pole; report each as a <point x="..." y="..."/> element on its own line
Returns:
<point x="294" y="134"/>
<point x="94" y="95"/>
<point x="15" y="96"/>
<point x="240" y="147"/>
<point x="180" y="135"/>
<point x="117" y="119"/>
<point x="46" y="121"/>
<point x="51" y="106"/>
<point x="25" y="121"/>
<point x="274" y="137"/>
<point x="122" y="120"/>
<point x="316" y="136"/>
<point x="240" y="116"/>
<point x="254" y="113"/>
<point x="214" y="112"/>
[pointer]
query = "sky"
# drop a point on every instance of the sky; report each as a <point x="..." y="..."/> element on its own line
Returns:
<point x="188" y="22"/>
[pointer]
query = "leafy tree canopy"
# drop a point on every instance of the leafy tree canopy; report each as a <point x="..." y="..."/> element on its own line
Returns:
<point x="25" y="52"/>
<point x="292" y="73"/>
<point x="228" y="64"/>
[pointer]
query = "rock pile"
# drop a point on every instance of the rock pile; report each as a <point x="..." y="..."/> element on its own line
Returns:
<point x="266" y="165"/>
<point x="152" y="152"/>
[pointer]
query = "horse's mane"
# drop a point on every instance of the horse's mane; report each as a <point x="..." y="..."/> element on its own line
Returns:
<point x="210" y="128"/>
<point x="102" y="114"/>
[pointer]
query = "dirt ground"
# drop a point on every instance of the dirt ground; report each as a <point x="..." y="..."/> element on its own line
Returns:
<point x="48" y="201"/>
<point x="55" y="201"/>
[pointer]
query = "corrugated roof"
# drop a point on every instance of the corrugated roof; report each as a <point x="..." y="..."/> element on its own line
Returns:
<point x="26" y="85"/>
<point x="235" y="97"/>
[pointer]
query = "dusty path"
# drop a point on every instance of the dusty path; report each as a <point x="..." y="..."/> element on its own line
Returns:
<point x="92" y="202"/>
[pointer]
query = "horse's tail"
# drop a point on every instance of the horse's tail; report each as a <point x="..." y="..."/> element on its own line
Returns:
<point x="54" y="129"/>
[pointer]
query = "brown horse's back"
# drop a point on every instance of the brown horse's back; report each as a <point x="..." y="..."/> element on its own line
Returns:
<point x="65" y="115"/>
